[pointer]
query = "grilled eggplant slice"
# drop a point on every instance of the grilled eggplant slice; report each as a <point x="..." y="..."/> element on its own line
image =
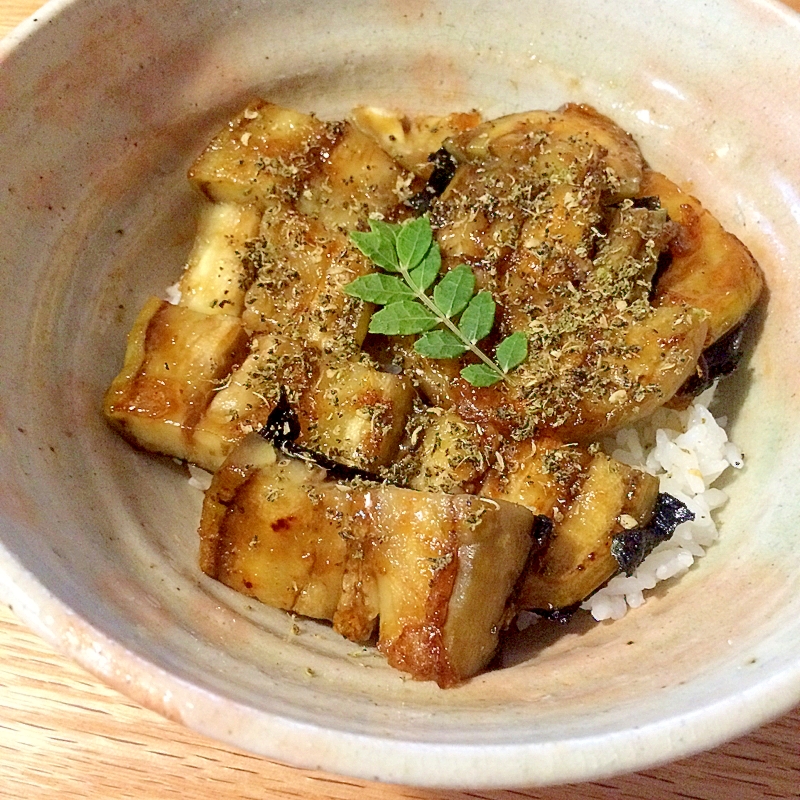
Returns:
<point x="300" y="269"/>
<point x="453" y="455"/>
<point x="287" y="260"/>
<point x="271" y="529"/>
<point x="335" y="322"/>
<point x="522" y="176"/>
<point x="263" y="153"/>
<point x="436" y="570"/>
<point x="542" y="206"/>
<point x="710" y="268"/>
<point x="355" y="181"/>
<point x="544" y="475"/>
<point x="578" y="558"/>
<point x="355" y="414"/>
<point x="638" y="375"/>
<point x="445" y="567"/>
<point x="216" y="277"/>
<point x="588" y="497"/>
<point x="243" y="403"/>
<point x="174" y="361"/>
<point x="411" y="140"/>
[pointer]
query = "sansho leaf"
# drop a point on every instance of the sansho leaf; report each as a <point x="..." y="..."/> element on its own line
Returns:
<point x="402" y="318"/>
<point x="378" y="246"/>
<point x="477" y="320"/>
<point x="379" y="288"/>
<point x="414" y="239"/>
<point x="480" y="375"/>
<point x="385" y="229"/>
<point x="410" y="248"/>
<point x="512" y="351"/>
<point x="440" y="344"/>
<point x="425" y="274"/>
<point x="454" y="290"/>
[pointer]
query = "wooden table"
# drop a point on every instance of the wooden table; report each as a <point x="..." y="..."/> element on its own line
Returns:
<point x="65" y="735"/>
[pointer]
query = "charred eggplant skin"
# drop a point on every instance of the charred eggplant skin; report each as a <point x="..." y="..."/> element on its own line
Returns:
<point x="630" y="548"/>
<point x="720" y="359"/>
<point x="542" y="531"/>
<point x="282" y="429"/>
<point x="444" y="167"/>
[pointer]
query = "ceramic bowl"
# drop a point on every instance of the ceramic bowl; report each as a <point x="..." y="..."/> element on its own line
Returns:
<point x="104" y="105"/>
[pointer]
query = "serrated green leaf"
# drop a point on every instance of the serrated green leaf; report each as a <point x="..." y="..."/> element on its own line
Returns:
<point x="407" y="310"/>
<point x="425" y="274"/>
<point x="414" y="239"/>
<point x="454" y="290"/>
<point x="379" y="288"/>
<point x="480" y="375"/>
<point x="402" y="318"/>
<point x="386" y="229"/>
<point x="378" y="247"/>
<point x="512" y="351"/>
<point x="440" y="344"/>
<point x="478" y="318"/>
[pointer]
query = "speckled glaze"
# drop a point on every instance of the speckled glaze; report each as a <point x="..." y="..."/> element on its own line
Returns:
<point x="104" y="104"/>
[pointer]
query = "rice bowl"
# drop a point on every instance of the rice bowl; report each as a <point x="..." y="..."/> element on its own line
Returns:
<point x="93" y="563"/>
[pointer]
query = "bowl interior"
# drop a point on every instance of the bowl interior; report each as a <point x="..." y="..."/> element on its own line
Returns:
<point x="107" y="103"/>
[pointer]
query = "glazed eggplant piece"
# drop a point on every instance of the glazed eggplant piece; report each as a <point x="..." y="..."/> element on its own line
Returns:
<point x="433" y="571"/>
<point x="264" y="153"/>
<point x="355" y="414"/>
<point x="579" y="558"/>
<point x="175" y="359"/>
<point x="710" y="268"/>
<point x="276" y="368"/>
<point x="542" y="206"/>
<point x="354" y="181"/>
<point x="590" y="499"/>
<point x="452" y="455"/>
<point x="543" y="474"/>
<point x="299" y="269"/>
<point x="215" y="278"/>
<point x="411" y="141"/>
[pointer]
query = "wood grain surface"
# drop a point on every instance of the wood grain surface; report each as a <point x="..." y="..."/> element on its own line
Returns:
<point x="65" y="735"/>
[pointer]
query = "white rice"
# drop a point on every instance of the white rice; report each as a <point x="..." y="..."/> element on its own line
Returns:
<point x="172" y="294"/>
<point x="688" y="451"/>
<point x="199" y="478"/>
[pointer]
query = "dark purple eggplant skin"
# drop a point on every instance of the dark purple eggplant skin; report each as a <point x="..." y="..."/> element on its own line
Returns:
<point x="719" y="359"/>
<point x="651" y="202"/>
<point x="630" y="548"/>
<point x="542" y="531"/>
<point x="444" y="167"/>
<point x="282" y="429"/>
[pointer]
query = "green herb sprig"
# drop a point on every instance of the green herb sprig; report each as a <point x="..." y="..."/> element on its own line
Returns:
<point x="452" y="320"/>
